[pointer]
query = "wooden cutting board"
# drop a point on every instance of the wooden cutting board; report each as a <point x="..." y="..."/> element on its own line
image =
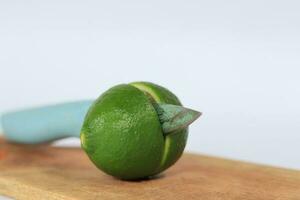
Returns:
<point x="45" y="172"/>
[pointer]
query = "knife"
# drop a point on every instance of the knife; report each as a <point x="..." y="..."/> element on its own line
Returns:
<point x="46" y="123"/>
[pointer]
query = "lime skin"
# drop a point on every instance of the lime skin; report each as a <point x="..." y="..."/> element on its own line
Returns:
<point x="122" y="134"/>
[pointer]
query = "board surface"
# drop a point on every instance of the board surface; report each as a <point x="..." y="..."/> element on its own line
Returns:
<point x="45" y="172"/>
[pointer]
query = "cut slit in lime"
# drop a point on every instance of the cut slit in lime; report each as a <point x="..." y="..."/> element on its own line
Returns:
<point x="173" y="143"/>
<point x="171" y="117"/>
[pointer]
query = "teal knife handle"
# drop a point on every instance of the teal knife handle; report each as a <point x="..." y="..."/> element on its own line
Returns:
<point x="43" y="124"/>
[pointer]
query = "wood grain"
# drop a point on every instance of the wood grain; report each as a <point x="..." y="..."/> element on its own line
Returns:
<point x="45" y="172"/>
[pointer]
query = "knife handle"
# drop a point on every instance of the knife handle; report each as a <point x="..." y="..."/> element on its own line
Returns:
<point x="44" y="124"/>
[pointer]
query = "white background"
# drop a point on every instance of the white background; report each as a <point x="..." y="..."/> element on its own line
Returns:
<point x="236" y="61"/>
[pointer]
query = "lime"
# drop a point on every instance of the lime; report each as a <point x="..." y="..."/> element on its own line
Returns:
<point x="122" y="133"/>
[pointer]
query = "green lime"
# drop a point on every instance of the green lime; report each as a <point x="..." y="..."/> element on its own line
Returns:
<point x="122" y="132"/>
